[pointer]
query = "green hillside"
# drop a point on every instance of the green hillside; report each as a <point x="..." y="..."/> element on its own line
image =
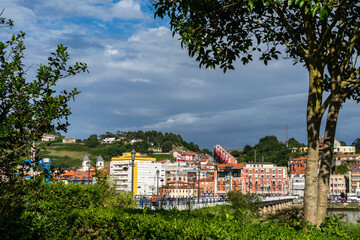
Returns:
<point x="71" y="154"/>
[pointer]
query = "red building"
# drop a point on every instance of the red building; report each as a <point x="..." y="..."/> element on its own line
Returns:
<point x="265" y="178"/>
<point x="222" y="156"/>
<point x="297" y="166"/>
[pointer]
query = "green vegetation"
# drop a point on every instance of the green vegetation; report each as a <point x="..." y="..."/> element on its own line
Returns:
<point x="92" y="141"/>
<point x="270" y="149"/>
<point x="356" y="143"/>
<point x="342" y="169"/>
<point x="160" y="157"/>
<point x="71" y="154"/>
<point x="30" y="107"/>
<point x="32" y="209"/>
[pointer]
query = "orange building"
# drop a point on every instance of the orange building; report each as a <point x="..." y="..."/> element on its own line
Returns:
<point x="297" y="166"/>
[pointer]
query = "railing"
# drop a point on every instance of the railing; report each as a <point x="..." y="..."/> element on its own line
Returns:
<point x="180" y="203"/>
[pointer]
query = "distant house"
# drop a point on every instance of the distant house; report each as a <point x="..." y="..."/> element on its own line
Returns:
<point x="108" y="140"/>
<point x="48" y="137"/>
<point x="135" y="141"/>
<point x="155" y="150"/>
<point x="69" y="140"/>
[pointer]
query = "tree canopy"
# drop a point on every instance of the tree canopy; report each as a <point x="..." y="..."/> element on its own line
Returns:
<point x="30" y="107"/>
<point x="321" y="35"/>
<point x="269" y="149"/>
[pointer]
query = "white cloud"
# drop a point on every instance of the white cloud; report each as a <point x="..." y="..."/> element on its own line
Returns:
<point x="141" y="80"/>
<point x="192" y="82"/>
<point x="111" y="52"/>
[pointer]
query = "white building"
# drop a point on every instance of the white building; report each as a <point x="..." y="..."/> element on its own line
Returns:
<point x="86" y="163"/>
<point x="297" y="185"/>
<point x="337" y="185"/>
<point x="343" y="149"/>
<point x="147" y="174"/>
<point x="100" y="163"/>
<point x="108" y="140"/>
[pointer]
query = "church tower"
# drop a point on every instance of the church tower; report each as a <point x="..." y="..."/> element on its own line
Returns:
<point x="86" y="163"/>
<point x="99" y="163"/>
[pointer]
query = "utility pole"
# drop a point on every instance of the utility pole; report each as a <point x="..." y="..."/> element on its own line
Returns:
<point x="287" y="140"/>
<point x="133" y="153"/>
<point x="157" y="183"/>
<point x="89" y="164"/>
<point x="199" y="183"/>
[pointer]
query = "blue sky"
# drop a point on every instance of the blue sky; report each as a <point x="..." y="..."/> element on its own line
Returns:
<point x="140" y="78"/>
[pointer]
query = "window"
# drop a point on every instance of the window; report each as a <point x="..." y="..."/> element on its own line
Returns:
<point x="273" y="170"/>
<point x="256" y="170"/>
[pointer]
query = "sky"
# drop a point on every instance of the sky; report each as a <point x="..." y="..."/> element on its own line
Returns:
<point x="141" y="79"/>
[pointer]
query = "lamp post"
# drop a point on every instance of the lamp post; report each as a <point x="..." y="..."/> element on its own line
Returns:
<point x="157" y="183"/>
<point x="133" y="153"/>
<point x="89" y="165"/>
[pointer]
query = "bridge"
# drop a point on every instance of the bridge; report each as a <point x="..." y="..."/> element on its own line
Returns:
<point x="270" y="205"/>
<point x="267" y="205"/>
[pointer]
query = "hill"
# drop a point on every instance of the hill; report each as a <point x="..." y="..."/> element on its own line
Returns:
<point x="71" y="154"/>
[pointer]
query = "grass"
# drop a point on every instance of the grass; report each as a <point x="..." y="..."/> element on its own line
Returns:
<point x="71" y="154"/>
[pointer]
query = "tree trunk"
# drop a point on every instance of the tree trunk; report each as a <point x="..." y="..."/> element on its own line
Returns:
<point x="327" y="158"/>
<point x="313" y="128"/>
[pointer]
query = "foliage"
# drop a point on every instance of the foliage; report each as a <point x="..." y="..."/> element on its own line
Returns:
<point x="321" y="35"/>
<point x="160" y="157"/>
<point x="293" y="143"/>
<point x="166" y="147"/>
<point x="343" y="143"/>
<point x="243" y="202"/>
<point x="92" y="141"/>
<point x="291" y="218"/>
<point x="356" y="143"/>
<point x="342" y="169"/>
<point x="34" y="210"/>
<point x="235" y="153"/>
<point x="30" y="108"/>
<point x="271" y="150"/>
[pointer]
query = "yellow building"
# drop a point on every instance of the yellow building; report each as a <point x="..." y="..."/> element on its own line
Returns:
<point x="147" y="173"/>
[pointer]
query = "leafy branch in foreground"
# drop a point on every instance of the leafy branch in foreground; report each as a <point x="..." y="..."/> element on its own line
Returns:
<point x="29" y="108"/>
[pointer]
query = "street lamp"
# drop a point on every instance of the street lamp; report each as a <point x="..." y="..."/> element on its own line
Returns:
<point x="89" y="165"/>
<point x="157" y="183"/>
<point x="133" y="152"/>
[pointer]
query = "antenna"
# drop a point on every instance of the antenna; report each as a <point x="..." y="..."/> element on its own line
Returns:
<point x="226" y="143"/>
<point x="287" y="139"/>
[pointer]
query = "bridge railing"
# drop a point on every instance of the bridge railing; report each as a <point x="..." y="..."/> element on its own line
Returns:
<point x="180" y="203"/>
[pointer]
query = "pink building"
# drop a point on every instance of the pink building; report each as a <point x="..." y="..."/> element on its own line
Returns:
<point x="265" y="178"/>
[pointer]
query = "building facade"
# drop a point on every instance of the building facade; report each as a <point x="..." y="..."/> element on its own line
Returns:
<point x="265" y="178"/>
<point x="147" y="174"/>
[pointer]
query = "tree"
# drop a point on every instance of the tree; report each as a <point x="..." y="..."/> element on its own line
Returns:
<point x="356" y="144"/>
<point x="92" y="141"/>
<point x="29" y="108"/>
<point x="166" y="147"/>
<point x="342" y="169"/>
<point x="321" y="35"/>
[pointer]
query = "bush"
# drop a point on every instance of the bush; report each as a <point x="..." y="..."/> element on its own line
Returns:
<point x="243" y="201"/>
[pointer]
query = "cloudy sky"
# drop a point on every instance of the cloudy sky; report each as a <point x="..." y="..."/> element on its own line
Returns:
<point x="140" y="78"/>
